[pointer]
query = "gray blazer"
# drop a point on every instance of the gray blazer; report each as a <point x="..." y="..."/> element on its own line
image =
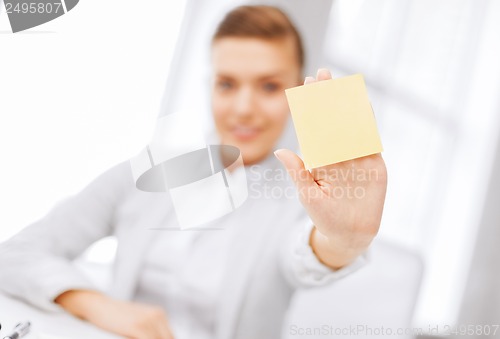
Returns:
<point x="269" y="256"/>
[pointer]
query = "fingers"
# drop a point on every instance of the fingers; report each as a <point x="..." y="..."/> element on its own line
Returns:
<point x="322" y="74"/>
<point x="295" y="167"/>
<point x="309" y="80"/>
<point x="162" y="327"/>
<point x="151" y="322"/>
<point x="164" y="330"/>
<point x="168" y="332"/>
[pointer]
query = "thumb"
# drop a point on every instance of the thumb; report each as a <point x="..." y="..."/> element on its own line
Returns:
<point x="294" y="165"/>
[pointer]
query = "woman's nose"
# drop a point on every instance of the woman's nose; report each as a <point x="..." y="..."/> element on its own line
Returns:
<point x="245" y="102"/>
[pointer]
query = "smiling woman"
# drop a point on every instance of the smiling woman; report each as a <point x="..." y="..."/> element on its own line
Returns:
<point x="252" y="65"/>
<point x="235" y="281"/>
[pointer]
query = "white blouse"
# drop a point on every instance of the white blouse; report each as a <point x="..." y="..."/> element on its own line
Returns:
<point x="183" y="273"/>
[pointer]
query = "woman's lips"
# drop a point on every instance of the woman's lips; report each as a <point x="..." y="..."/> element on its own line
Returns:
<point x="245" y="132"/>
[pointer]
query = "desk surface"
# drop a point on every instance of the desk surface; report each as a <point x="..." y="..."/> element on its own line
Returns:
<point x="45" y="325"/>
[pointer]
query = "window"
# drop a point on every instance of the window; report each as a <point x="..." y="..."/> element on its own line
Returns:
<point x="433" y="77"/>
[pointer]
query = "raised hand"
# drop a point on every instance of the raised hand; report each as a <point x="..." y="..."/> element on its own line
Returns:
<point x="344" y="200"/>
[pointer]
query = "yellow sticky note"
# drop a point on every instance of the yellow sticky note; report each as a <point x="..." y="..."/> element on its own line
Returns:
<point x="334" y="121"/>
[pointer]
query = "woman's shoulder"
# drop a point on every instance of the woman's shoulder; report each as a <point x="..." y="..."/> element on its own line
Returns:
<point x="120" y="172"/>
<point x="117" y="178"/>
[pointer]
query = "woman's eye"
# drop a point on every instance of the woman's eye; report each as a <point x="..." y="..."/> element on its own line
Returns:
<point x="270" y="87"/>
<point x="224" y="85"/>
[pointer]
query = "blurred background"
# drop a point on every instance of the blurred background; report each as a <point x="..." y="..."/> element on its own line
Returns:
<point x="82" y="93"/>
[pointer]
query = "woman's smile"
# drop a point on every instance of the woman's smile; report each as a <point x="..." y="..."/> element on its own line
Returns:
<point x="245" y="132"/>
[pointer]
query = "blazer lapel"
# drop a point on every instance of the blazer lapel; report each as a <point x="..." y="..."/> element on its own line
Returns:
<point x="134" y="241"/>
<point x="244" y="256"/>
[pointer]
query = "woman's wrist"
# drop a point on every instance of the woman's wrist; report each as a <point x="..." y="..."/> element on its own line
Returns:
<point x="332" y="252"/>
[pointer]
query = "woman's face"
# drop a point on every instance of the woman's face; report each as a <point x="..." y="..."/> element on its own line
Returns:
<point x="248" y="99"/>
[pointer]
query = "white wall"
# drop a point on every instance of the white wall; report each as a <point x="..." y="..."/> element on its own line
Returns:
<point x="78" y="95"/>
<point x="433" y="76"/>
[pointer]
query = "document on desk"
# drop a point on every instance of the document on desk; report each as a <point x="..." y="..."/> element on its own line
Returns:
<point x="49" y="336"/>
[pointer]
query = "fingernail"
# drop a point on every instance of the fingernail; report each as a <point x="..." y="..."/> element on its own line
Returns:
<point x="323" y="73"/>
<point x="308" y="80"/>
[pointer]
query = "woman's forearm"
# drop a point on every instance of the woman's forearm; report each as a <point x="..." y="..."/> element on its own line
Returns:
<point x="132" y="320"/>
<point x="80" y="302"/>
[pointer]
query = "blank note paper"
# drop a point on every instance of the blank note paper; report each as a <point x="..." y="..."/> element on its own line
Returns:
<point x="334" y="121"/>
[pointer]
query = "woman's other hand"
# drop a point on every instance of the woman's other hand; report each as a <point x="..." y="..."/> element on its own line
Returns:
<point x="131" y="320"/>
